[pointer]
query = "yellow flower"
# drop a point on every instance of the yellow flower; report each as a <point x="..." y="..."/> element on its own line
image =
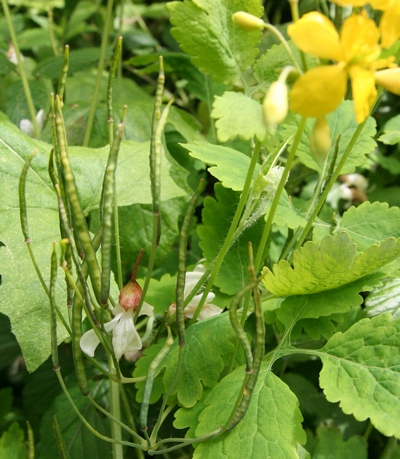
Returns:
<point x="389" y="25"/>
<point x="356" y="51"/>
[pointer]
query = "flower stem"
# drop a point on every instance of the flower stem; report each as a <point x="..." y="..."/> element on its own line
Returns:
<point x="115" y="410"/>
<point x="21" y="69"/>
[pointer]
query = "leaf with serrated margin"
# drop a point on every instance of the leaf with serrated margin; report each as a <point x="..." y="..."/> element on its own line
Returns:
<point x="342" y="125"/>
<point x="333" y="263"/>
<point x="205" y="30"/>
<point x="361" y="371"/>
<point x="238" y="115"/>
<point x="271" y="426"/>
<point x="385" y="298"/>
<point x="210" y="345"/>
<point x="391" y="131"/>
<point x="369" y="223"/>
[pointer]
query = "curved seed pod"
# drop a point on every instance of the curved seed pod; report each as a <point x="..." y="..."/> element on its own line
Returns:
<point x="63" y="75"/>
<point x="180" y="281"/>
<point x="108" y="216"/>
<point x="258" y="349"/>
<point x="80" y="227"/>
<point x="111" y="77"/>
<point x="53" y="321"/>
<point x="22" y="197"/>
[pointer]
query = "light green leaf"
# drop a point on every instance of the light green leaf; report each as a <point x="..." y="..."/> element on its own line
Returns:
<point x="218" y="46"/>
<point x="287" y="214"/>
<point x="39" y="4"/>
<point x="343" y="125"/>
<point x="210" y="344"/>
<point x="391" y="131"/>
<point x="29" y="314"/>
<point x="12" y="443"/>
<point x="370" y="223"/>
<point x="385" y="298"/>
<point x="330" y="445"/>
<point x="361" y="370"/>
<point x="238" y="115"/>
<point x="230" y="165"/>
<point x="271" y="427"/>
<point x="331" y="264"/>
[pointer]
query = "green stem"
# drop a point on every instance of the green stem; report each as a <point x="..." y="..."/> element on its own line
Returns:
<point x="115" y="411"/>
<point x="228" y="240"/>
<point x="21" y="69"/>
<point x="275" y="201"/>
<point x="100" y="68"/>
<point x="51" y="31"/>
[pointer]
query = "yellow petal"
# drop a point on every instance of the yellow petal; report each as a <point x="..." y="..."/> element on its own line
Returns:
<point x="389" y="79"/>
<point x="380" y="4"/>
<point x="350" y="2"/>
<point x="390" y="24"/>
<point x="314" y="33"/>
<point x="319" y="91"/>
<point x="364" y="91"/>
<point x="359" y="39"/>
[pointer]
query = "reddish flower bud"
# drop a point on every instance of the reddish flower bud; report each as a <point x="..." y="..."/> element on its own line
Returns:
<point x="130" y="295"/>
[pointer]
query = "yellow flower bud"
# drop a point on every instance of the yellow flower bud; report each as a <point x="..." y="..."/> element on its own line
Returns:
<point x="247" y="21"/>
<point x="320" y="140"/>
<point x="275" y="105"/>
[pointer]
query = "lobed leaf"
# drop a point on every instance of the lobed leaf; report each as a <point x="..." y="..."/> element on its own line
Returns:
<point x="333" y="263"/>
<point x="361" y="371"/>
<point x="391" y="131"/>
<point x="218" y="46"/>
<point x="331" y="444"/>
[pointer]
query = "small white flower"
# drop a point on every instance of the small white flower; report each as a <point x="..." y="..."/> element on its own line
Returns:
<point x="208" y="309"/>
<point x="27" y="126"/>
<point x="125" y="337"/>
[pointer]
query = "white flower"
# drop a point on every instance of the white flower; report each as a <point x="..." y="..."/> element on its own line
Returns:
<point x="208" y="309"/>
<point x="125" y="337"/>
<point x="27" y="126"/>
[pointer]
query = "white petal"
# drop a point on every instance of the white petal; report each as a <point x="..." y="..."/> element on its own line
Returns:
<point x="89" y="342"/>
<point x="125" y="336"/>
<point x="118" y="310"/>
<point x="40" y="117"/>
<point x="26" y="126"/>
<point x="146" y="309"/>
<point x="209" y="310"/>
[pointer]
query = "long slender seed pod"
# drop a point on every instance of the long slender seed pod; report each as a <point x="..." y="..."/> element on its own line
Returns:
<point x="155" y="150"/>
<point x="53" y="318"/>
<point x="24" y="218"/>
<point x="151" y="374"/>
<point x="108" y="216"/>
<point x="180" y="281"/>
<point x="80" y="227"/>
<point x="31" y="441"/>
<point x="258" y="349"/>
<point x="63" y="75"/>
<point x="110" y="84"/>
<point x="62" y="449"/>
<point x="240" y="333"/>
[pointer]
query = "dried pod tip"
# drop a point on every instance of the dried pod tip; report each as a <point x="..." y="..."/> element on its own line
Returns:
<point x="130" y="295"/>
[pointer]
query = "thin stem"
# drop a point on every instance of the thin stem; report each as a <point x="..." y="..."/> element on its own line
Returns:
<point x="115" y="411"/>
<point x="51" y="31"/>
<point x="21" y="69"/>
<point x="100" y="68"/>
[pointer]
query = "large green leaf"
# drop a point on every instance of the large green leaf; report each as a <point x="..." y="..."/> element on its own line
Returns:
<point x="361" y="370"/>
<point x="12" y="443"/>
<point x="342" y="125"/>
<point x="385" y="298"/>
<point x="270" y="428"/>
<point x="333" y="263"/>
<point x="218" y="46"/>
<point x="22" y="298"/>
<point x="331" y="445"/>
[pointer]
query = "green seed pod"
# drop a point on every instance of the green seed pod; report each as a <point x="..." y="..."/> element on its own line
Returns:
<point x="320" y="140"/>
<point x="247" y="22"/>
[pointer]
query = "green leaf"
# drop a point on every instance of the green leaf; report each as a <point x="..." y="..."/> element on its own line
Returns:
<point x="12" y="443"/>
<point x="323" y="304"/>
<point x="209" y="347"/>
<point x="218" y="46"/>
<point x="270" y="428"/>
<point x="361" y="370"/>
<point x="342" y="125"/>
<point x="79" y="441"/>
<point x="331" y="264"/>
<point x="238" y="115"/>
<point x="230" y="165"/>
<point x="28" y="314"/>
<point x="287" y="214"/>
<point x="331" y="445"/>
<point x="370" y="223"/>
<point x="384" y="298"/>
<point x="6" y="400"/>
<point x="217" y="215"/>
<point x="39" y="4"/>
<point x="391" y="131"/>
